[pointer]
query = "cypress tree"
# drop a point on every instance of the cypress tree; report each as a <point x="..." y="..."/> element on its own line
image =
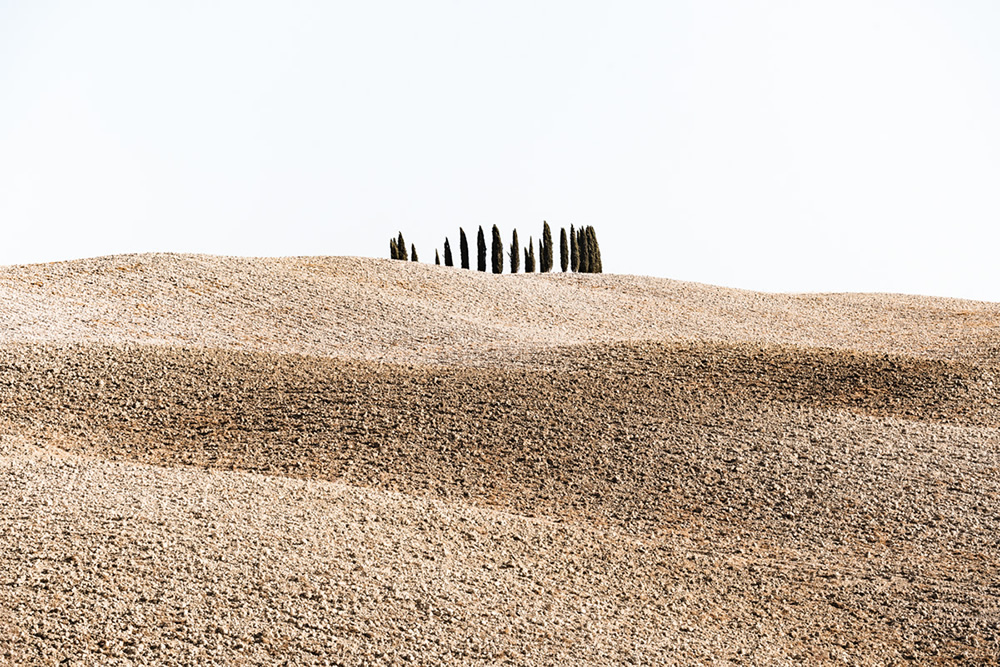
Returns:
<point x="497" y="247"/>
<point x="541" y="256"/>
<point x="574" y="250"/>
<point x="582" y="249"/>
<point x="401" y="247"/>
<point x="413" y="252"/>
<point x="481" y="250"/>
<point x="447" y="253"/>
<point x="437" y="257"/>
<point x="529" y="256"/>
<point x="546" y="248"/>
<point x="593" y="261"/>
<point x="595" y="253"/>
<point x="563" y="250"/>
<point x="463" y="247"/>
<point x="393" y="252"/>
<point x="515" y="254"/>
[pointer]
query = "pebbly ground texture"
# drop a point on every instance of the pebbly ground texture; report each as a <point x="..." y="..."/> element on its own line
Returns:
<point x="347" y="461"/>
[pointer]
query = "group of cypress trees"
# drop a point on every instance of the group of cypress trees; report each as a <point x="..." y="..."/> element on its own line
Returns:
<point x="578" y="251"/>
<point x="397" y="249"/>
<point x="584" y="252"/>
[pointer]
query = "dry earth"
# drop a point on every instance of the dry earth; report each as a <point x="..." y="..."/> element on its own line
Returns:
<point x="348" y="461"/>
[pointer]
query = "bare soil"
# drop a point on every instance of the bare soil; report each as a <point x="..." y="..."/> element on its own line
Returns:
<point x="724" y="498"/>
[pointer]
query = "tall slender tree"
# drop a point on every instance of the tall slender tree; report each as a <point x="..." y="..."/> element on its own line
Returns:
<point x="529" y="256"/>
<point x="563" y="250"/>
<point x="496" y="260"/>
<point x="401" y="247"/>
<point x="447" y="253"/>
<point x="393" y="251"/>
<point x="595" y="265"/>
<point x="481" y="250"/>
<point x="515" y="254"/>
<point x="574" y="250"/>
<point x="437" y="258"/>
<point x="463" y="247"/>
<point x="546" y="248"/>
<point x="595" y="253"/>
<point x="581" y="242"/>
<point x="413" y="252"/>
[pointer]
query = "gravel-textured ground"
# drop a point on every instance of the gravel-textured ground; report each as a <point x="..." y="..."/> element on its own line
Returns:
<point x="347" y="461"/>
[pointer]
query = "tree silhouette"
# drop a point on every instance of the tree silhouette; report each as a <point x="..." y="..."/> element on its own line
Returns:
<point x="447" y="253"/>
<point x="574" y="250"/>
<point x="496" y="261"/>
<point x="515" y="254"/>
<point x="546" y="248"/>
<point x="594" y="251"/>
<point x="463" y="247"/>
<point x="401" y="247"/>
<point x="481" y="250"/>
<point x="563" y="250"/>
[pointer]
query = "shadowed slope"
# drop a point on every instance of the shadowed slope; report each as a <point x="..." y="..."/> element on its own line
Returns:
<point x="598" y="432"/>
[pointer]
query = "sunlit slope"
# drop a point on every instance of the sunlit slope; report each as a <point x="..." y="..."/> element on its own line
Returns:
<point x="416" y="313"/>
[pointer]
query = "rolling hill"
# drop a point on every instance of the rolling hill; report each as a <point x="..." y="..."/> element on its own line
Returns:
<point x="324" y="460"/>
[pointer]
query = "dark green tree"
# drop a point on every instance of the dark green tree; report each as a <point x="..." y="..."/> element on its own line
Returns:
<point x="437" y="257"/>
<point x="463" y="247"/>
<point x="563" y="250"/>
<point x="496" y="260"/>
<point x="515" y="254"/>
<point x="529" y="256"/>
<point x="581" y="243"/>
<point x="413" y="252"/>
<point x="574" y="250"/>
<point x="393" y="252"/>
<point x="447" y="253"/>
<point x="546" y="248"/>
<point x="481" y="250"/>
<point x="594" y="250"/>
<point x="401" y="247"/>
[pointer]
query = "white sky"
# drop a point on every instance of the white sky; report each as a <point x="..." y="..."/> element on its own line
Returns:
<point x="785" y="146"/>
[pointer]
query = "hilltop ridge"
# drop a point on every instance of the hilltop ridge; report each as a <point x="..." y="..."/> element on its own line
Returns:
<point x="404" y="312"/>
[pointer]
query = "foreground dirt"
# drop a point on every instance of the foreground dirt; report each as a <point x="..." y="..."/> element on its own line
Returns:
<point x="644" y="503"/>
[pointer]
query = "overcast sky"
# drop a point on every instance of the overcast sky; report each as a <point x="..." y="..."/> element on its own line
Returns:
<point x="784" y="146"/>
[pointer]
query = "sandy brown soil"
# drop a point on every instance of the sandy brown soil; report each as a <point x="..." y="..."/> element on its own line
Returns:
<point x="796" y="479"/>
